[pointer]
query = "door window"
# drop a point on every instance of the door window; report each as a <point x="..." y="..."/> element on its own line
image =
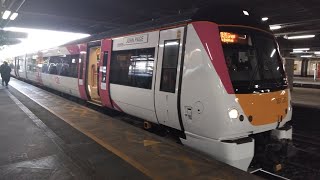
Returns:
<point x="169" y="66"/>
<point x="104" y="67"/>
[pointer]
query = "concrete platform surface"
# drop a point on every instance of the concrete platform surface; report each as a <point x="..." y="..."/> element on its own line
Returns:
<point x="31" y="150"/>
<point x="306" y="82"/>
<point x="306" y="97"/>
<point x="49" y="137"/>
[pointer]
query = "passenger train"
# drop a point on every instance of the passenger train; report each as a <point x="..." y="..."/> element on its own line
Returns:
<point x="218" y="80"/>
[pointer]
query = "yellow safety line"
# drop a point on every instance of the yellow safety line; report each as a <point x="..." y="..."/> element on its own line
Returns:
<point x="114" y="150"/>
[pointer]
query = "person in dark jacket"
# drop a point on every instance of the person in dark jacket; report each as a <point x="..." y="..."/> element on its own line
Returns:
<point x="5" y="71"/>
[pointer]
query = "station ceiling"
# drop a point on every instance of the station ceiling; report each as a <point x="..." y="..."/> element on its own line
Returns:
<point x="296" y="17"/>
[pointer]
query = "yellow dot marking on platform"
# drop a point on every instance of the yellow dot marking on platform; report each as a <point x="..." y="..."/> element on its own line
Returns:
<point x="150" y="142"/>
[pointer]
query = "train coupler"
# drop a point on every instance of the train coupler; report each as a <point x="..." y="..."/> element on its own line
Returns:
<point x="147" y="125"/>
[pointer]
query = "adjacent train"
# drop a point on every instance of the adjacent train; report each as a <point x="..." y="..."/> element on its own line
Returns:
<point x="218" y="80"/>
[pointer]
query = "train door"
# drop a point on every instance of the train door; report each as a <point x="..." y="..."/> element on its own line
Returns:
<point x="92" y="79"/>
<point x="168" y="70"/>
<point x="16" y="66"/>
<point x="82" y="71"/>
<point x="104" y="73"/>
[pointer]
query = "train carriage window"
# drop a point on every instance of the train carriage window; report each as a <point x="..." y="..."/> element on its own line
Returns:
<point x="66" y="65"/>
<point x="132" y="67"/>
<point x="73" y="66"/>
<point x="21" y="65"/>
<point x="169" y="66"/>
<point x="31" y="64"/>
<point x="45" y="65"/>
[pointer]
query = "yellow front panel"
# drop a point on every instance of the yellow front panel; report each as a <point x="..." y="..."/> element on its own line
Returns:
<point x="265" y="108"/>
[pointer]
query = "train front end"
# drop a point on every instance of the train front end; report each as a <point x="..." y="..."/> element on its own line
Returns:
<point x="242" y="108"/>
<point x="260" y="86"/>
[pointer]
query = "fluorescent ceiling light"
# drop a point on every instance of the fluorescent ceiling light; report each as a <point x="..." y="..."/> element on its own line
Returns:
<point x="273" y="52"/>
<point x="302" y="36"/>
<point x="301" y="49"/>
<point x="306" y="56"/>
<point x="35" y="41"/>
<point x="317" y="52"/>
<point x="6" y="14"/>
<point x="296" y="52"/>
<point x="275" y="27"/>
<point x="13" y="16"/>
<point x="264" y="19"/>
<point x="245" y="13"/>
<point x="301" y="52"/>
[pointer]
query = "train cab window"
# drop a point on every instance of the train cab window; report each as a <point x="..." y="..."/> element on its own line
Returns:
<point x="169" y="66"/>
<point x="133" y="67"/>
<point x="252" y="60"/>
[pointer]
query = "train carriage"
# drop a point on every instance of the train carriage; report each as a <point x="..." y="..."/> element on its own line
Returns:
<point x="219" y="81"/>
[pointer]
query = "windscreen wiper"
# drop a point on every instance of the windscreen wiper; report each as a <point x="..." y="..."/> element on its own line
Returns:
<point x="278" y="83"/>
<point x="253" y="76"/>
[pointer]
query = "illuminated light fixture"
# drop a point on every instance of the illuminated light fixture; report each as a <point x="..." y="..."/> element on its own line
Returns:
<point x="306" y="56"/>
<point x="302" y="36"/>
<point x="264" y="19"/>
<point x="317" y="52"/>
<point x="6" y="14"/>
<point x="245" y="13"/>
<point x="233" y="114"/>
<point x="295" y="52"/>
<point x="301" y="49"/>
<point x="273" y="52"/>
<point x="13" y="16"/>
<point x="275" y="27"/>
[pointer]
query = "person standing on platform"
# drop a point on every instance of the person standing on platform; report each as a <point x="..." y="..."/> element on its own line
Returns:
<point x="5" y="71"/>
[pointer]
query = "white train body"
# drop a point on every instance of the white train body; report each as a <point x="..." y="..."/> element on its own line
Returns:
<point x="177" y="77"/>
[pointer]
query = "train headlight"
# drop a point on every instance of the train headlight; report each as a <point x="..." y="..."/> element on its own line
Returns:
<point x="233" y="113"/>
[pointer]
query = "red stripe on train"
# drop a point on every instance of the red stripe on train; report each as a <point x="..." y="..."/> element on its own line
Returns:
<point x="208" y="33"/>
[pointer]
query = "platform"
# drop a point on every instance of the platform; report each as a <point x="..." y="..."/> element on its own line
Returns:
<point x="308" y="97"/>
<point x="307" y="82"/>
<point x="45" y="135"/>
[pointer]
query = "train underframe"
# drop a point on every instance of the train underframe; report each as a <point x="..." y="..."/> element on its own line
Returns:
<point x="272" y="148"/>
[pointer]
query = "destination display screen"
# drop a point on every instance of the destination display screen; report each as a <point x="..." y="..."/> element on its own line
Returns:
<point x="233" y="38"/>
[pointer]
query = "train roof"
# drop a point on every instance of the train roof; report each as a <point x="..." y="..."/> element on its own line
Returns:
<point x="218" y="14"/>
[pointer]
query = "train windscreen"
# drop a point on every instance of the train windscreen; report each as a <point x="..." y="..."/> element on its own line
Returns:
<point x="253" y="60"/>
